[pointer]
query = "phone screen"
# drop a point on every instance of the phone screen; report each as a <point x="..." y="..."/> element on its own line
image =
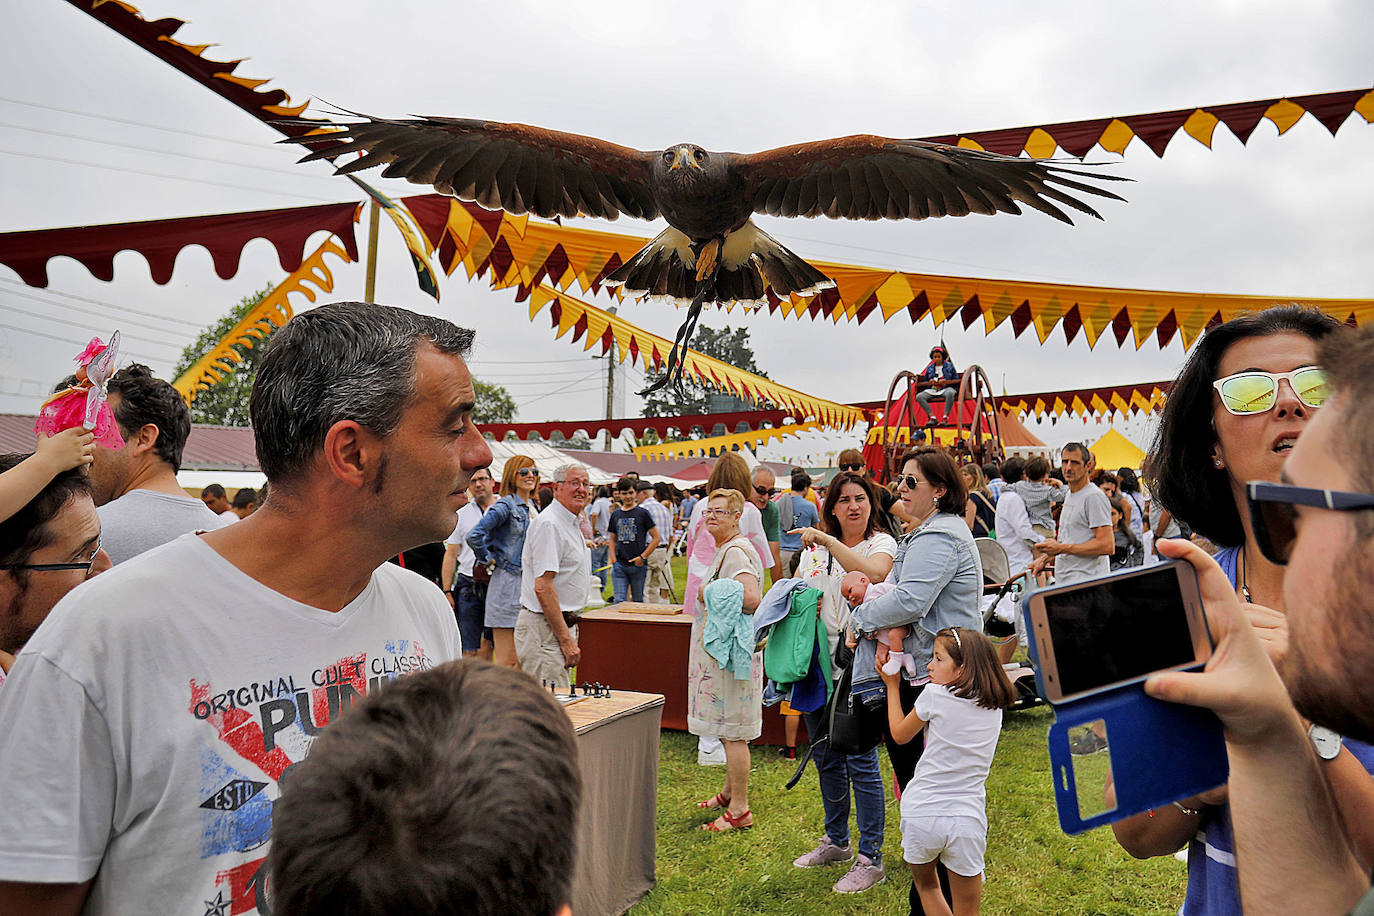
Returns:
<point x="1118" y="631"/>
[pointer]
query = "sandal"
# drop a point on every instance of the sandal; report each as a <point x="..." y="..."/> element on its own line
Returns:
<point x="730" y="822"/>
<point x="719" y="801"/>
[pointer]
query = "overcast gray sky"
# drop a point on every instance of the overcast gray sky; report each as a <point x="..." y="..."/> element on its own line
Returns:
<point x="1284" y="216"/>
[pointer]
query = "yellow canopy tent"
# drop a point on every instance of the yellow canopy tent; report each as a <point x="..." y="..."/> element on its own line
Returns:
<point x="1114" y="450"/>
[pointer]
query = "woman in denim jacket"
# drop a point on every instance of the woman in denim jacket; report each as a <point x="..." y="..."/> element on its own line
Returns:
<point x="497" y="541"/>
<point x="939" y="582"/>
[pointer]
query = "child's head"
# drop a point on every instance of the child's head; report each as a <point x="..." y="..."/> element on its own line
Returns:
<point x="1118" y="512"/>
<point x="466" y="773"/>
<point x="854" y="586"/>
<point x="1037" y="469"/>
<point x="965" y="661"/>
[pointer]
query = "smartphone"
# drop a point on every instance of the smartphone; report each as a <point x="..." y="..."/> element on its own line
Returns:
<point x="1102" y="633"/>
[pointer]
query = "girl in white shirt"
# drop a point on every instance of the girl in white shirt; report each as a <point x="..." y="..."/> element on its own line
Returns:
<point x="944" y="815"/>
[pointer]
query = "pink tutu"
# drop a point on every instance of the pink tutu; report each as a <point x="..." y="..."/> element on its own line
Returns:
<point x="67" y="408"/>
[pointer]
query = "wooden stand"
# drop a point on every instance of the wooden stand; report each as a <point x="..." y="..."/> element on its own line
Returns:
<point x="648" y="652"/>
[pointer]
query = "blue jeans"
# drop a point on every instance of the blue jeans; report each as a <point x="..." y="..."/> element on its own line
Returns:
<point x="599" y="557"/>
<point x="837" y="773"/>
<point x="625" y="577"/>
<point x="470" y="606"/>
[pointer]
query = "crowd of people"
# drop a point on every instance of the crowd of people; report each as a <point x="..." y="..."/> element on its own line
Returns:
<point x="164" y="669"/>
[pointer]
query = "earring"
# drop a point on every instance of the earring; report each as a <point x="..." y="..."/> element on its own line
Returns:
<point x="935" y="501"/>
<point x="1217" y="462"/>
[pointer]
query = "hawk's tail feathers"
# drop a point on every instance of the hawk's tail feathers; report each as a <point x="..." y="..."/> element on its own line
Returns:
<point x="666" y="269"/>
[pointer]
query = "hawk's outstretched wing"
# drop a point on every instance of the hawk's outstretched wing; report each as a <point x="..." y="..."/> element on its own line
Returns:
<point x="867" y="177"/>
<point x="512" y="167"/>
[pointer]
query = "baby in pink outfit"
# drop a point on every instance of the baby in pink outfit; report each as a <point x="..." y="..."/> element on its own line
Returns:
<point x="856" y="589"/>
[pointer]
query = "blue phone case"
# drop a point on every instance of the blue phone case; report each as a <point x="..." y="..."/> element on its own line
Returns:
<point x="1159" y="752"/>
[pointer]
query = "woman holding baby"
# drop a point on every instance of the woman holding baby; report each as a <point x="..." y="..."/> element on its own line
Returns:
<point x="939" y="582"/>
<point x="850" y="540"/>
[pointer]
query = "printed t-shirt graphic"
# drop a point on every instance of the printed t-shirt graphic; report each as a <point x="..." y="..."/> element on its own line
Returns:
<point x="187" y="691"/>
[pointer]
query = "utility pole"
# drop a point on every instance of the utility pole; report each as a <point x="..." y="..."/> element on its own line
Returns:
<point x="610" y="384"/>
<point x="370" y="279"/>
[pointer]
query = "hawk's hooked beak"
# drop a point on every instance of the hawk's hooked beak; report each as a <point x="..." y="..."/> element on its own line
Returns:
<point x="682" y="156"/>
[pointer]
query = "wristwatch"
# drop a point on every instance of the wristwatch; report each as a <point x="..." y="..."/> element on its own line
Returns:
<point x="1326" y="741"/>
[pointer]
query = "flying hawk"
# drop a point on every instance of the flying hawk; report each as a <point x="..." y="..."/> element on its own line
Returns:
<point x="711" y="250"/>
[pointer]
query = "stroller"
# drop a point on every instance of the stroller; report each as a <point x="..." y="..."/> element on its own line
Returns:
<point x="1001" y="607"/>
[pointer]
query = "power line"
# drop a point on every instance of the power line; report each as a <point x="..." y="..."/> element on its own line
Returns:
<point x="96" y="328"/>
<point x="115" y="168"/>
<point x="104" y="117"/>
<point x="542" y="362"/>
<point x="68" y="340"/>
<point x="121" y="322"/>
<point x="169" y="152"/>
<point x="119" y="308"/>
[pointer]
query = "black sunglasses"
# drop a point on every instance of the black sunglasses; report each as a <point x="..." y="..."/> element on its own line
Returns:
<point x="852" y="467"/>
<point x="87" y="564"/>
<point x="765" y="491"/>
<point x="1272" y="513"/>
<point x="910" y="482"/>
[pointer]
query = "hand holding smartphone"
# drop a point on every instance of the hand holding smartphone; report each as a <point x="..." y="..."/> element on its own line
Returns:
<point x="1103" y="633"/>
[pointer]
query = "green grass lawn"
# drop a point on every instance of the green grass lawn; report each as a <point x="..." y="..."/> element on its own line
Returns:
<point x="1032" y="866"/>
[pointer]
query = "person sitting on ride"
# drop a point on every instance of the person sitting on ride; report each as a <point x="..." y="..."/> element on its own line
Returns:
<point x="939" y="368"/>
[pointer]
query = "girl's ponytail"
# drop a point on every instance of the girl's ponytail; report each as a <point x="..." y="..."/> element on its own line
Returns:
<point x="981" y="677"/>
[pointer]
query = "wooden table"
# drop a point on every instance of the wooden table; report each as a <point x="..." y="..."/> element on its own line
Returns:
<point x="648" y="652"/>
<point x="617" y="745"/>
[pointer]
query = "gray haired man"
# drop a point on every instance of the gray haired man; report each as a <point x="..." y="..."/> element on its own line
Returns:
<point x="189" y="681"/>
<point x="556" y="571"/>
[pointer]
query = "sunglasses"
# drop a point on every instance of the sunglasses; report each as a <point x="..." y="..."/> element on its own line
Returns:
<point x="528" y="472"/>
<point x="909" y="481"/>
<point x="1247" y="393"/>
<point x="87" y="564"/>
<point x="765" y="491"/>
<point x="852" y="467"/>
<point x="1273" y="516"/>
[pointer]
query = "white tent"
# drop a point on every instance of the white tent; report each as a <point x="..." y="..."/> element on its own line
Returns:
<point x="546" y="458"/>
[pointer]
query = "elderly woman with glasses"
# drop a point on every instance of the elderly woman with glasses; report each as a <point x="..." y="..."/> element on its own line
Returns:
<point x="1245" y="395"/>
<point x="497" y="541"/>
<point x="724" y="701"/>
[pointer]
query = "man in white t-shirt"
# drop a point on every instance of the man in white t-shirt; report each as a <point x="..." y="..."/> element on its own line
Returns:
<point x="1084" y="546"/>
<point x="145" y="727"/>
<point x="135" y="488"/>
<point x="1013" y="524"/>
<point x="466" y="587"/>
<point x="555" y="574"/>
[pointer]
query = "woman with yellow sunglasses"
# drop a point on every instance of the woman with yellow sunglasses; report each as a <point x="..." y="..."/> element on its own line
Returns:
<point x="1245" y="395"/>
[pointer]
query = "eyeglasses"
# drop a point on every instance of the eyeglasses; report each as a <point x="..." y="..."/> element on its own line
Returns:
<point x="765" y="491"/>
<point x="717" y="513"/>
<point x="909" y="481"/>
<point x="1272" y="513"/>
<point x="528" y="472"/>
<point x="856" y="468"/>
<point x="1247" y="393"/>
<point x="87" y="564"/>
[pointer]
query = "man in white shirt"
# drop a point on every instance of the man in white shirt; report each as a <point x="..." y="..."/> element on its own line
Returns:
<point x="658" y="587"/>
<point x="217" y="501"/>
<point x="1013" y="525"/>
<point x="1084" y="546"/>
<point x="555" y="574"/>
<point x="458" y="578"/>
<point x="135" y="488"/>
<point x="187" y="681"/>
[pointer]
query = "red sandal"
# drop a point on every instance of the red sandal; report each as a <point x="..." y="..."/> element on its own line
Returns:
<point x="719" y="801"/>
<point x="731" y="822"/>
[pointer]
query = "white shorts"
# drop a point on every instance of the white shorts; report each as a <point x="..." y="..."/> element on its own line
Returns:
<point x="959" y="842"/>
